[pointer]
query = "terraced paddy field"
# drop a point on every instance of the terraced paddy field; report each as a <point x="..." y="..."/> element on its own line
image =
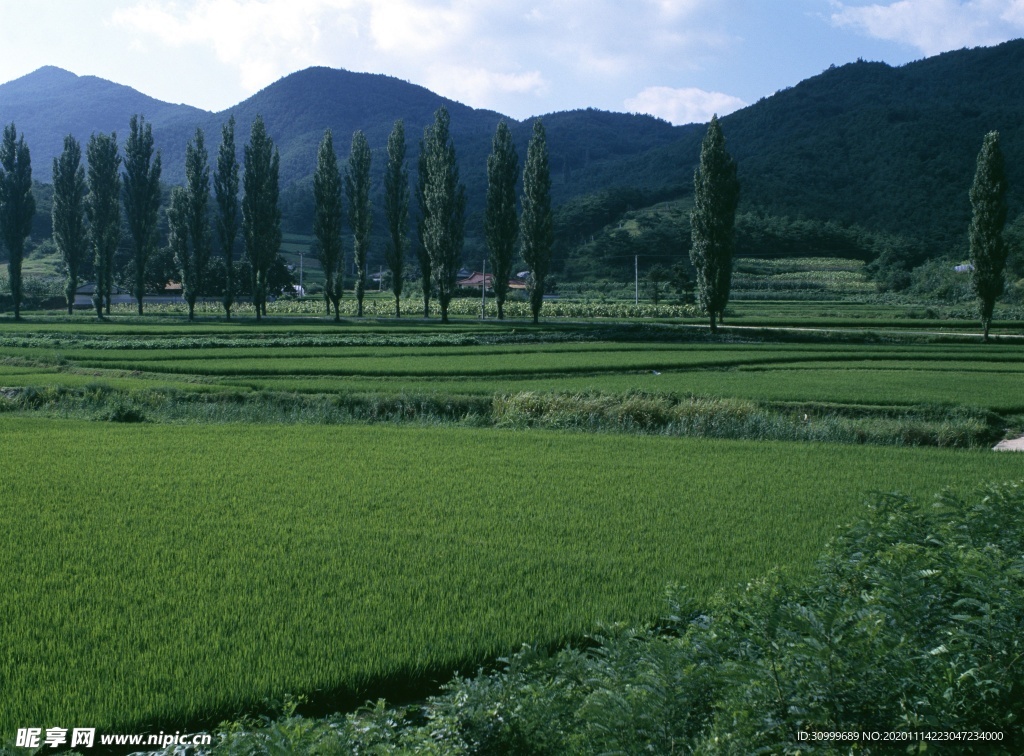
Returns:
<point x="161" y="574"/>
<point x="895" y="370"/>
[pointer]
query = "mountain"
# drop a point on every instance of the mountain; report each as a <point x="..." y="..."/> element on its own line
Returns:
<point x="892" y="149"/>
<point x="865" y="145"/>
<point x="50" y="103"/>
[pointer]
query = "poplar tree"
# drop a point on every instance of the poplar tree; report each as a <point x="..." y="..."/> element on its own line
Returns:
<point x="68" y="214"/>
<point x="537" y="224"/>
<point x="225" y="186"/>
<point x="501" y="224"/>
<point x="357" y="189"/>
<point x="988" y="249"/>
<point x="261" y="216"/>
<point x="103" y="211"/>
<point x="327" y="220"/>
<point x="141" y="181"/>
<point x="712" y="221"/>
<point x="396" y="209"/>
<point x="178" y="237"/>
<point x="190" y="221"/>
<point x="422" y="256"/>
<point x="17" y="206"/>
<point x="444" y="206"/>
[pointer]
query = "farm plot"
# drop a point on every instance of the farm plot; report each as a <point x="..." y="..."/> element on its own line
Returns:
<point x="472" y="362"/>
<point x="168" y="574"/>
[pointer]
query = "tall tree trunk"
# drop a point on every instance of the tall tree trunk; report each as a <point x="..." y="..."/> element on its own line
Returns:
<point x="714" y="326"/>
<point x="398" y="307"/>
<point x="14" y="276"/>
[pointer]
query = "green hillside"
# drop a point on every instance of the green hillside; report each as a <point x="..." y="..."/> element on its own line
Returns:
<point x="862" y="161"/>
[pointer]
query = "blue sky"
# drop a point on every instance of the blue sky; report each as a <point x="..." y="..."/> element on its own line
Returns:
<point x="681" y="60"/>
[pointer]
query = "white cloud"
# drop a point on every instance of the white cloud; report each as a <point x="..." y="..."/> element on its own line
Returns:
<point x="509" y="56"/>
<point x="480" y="86"/>
<point x="261" y="40"/>
<point x="408" y="27"/>
<point x="679" y="106"/>
<point x="934" y="26"/>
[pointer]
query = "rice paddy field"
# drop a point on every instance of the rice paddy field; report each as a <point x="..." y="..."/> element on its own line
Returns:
<point x="161" y="571"/>
<point x="894" y="370"/>
<point x="162" y="574"/>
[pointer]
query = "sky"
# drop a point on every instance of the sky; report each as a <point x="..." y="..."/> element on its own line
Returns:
<point x="681" y="60"/>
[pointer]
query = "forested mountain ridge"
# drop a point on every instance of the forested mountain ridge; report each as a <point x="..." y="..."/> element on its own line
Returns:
<point x="892" y="149"/>
<point x="50" y="103"/>
<point x="866" y="145"/>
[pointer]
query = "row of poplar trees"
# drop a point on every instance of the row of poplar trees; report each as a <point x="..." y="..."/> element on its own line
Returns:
<point x="716" y="194"/>
<point x="87" y="203"/>
<point x="441" y="201"/>
<point x="87" y="211"/>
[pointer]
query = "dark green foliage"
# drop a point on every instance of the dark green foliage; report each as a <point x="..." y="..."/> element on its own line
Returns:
<point x="831" y="148"/>
<point x="360" y="218"/>
<point x="327" y="220"/>
<point x="501" y="223"/>
<point x="988" y="205"/>
<point x="69" y="233"/>
<point x="225" y="185"/>
<point x="537" y="226"/>
<point x="141" y="183"/>
<point x="103" y="211"/>
<point x="658" y="278"/>
<point x="261" y="217"/>
<point x="443" y="208"/>
<point x="190" y="222"/>
<point x="422" y="255"/>
<point x="17" y="206"/>
<point x="396" y="210"/>
<point x="162" y="266"/>
<point x="712" y="223"/>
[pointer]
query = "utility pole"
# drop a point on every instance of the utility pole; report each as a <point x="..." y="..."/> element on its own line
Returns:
<point x="636" y="279"/>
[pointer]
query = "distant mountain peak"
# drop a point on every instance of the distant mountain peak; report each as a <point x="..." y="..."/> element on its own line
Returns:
<point x="52" y="74"/>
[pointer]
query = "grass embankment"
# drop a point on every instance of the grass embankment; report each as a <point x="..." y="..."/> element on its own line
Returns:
<point x="163" y="574"/>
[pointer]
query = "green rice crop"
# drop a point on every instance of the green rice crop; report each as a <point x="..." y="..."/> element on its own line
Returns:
<point x="503" y="361"/>
<point x="998" y="391"/>
<point x="162" y="574"/>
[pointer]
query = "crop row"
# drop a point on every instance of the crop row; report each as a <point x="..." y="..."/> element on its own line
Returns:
<point x="997" y="391"/>
<point x="164" y="574"/>
<point x="463" y="307"/>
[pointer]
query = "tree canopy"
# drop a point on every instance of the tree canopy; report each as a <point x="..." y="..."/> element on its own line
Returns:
<point x="712" y="223"/>
<point x="17" y="205"/>
<point x="988" y="249"/>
